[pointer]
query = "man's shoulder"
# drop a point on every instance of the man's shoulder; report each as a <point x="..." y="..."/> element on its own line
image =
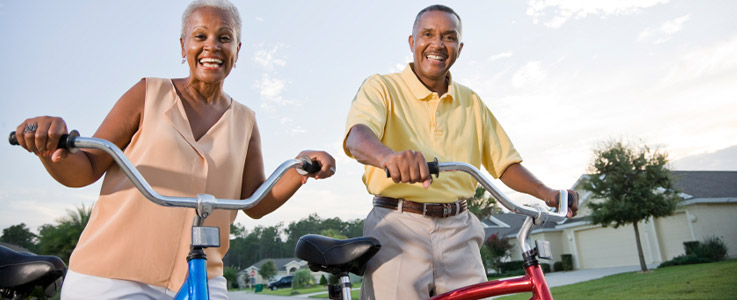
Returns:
<point x="382" y="80"/>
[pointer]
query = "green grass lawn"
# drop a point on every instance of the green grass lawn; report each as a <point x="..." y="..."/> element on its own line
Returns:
<point x="703" y="281"/>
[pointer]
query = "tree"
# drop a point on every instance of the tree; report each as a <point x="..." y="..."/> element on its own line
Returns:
<point x="302" y="278"/>
<point x="482" y="205"/>
<point x="19" y="235"/>
<point x="494" y="250"/>
<point x="267" y="270"/>
<point x="231" y="277"/>
<point x="61" y="239"/>
<point x="634" y="183"/>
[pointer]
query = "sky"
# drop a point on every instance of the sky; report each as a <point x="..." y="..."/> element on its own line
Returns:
<point x="561" y="77"/>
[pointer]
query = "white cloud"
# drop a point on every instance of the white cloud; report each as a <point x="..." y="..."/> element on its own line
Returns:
<point x="564" y="10"/>
<point x="293" y="129"/>
<point x="664" y="32"/>
<point x="704" y="63"/>
<point x="270" y="87"/>
<point x="532" y="72"/>
<point x="267" y="58"/>
<point x="502" y="55"/>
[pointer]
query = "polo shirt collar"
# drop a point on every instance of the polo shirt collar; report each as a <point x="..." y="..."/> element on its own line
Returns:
<point x="418" y="89"/>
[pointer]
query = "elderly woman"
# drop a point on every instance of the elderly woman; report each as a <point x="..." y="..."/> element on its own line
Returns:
<point x="186" y="136"/>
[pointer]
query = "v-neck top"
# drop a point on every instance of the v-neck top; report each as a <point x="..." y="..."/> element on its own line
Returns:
<point x="129" y="237"/>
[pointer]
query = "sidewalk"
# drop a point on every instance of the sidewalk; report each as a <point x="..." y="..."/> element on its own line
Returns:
<point x="570" y="277"/>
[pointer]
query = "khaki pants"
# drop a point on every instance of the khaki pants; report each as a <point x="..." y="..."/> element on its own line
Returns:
<point x="421" y="256"/>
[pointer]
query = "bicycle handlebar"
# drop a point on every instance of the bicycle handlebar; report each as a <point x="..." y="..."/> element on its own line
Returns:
<point x="204" y="203"/>
<point x="540" y="214"/>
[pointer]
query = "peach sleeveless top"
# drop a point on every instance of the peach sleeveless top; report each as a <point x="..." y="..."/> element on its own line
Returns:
<point x="128" y="237"/>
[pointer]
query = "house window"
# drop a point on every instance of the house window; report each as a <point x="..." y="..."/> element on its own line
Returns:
<point x="292" y="270"/>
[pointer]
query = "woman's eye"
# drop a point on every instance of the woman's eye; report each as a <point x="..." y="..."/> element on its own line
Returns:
<point x="225" y="38"/>
<point x="200" y="36"/>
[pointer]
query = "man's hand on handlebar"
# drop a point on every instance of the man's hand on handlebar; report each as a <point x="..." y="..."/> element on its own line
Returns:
<point x="407" y="166"/>
<point x="572" y="202"/>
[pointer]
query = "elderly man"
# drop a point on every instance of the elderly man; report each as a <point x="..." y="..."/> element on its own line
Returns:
<point x="399" y="120"/>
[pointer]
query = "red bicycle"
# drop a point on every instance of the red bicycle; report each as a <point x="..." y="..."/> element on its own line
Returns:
<point x="340" y="257"/>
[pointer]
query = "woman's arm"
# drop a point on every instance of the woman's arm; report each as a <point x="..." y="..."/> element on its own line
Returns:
<point x="253" y="177"/>
<point x="86" y="166"/>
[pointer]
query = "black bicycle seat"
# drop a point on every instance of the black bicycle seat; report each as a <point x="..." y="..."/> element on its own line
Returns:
<point x="21" y="272"/>
<point x="336" y="256"/>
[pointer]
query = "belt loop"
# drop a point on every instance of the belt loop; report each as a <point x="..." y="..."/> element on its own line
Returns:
<point x="424" y="209"/>
<point x="400" y="205"/>
<point x="458" y="207"/>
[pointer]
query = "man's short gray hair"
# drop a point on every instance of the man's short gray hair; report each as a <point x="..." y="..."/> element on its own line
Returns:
<point x="225" y="5"/>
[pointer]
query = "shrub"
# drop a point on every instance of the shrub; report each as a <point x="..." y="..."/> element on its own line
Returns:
<point x="302" y="278"/>
<point x="566" y="262"/>
<point x="684" y="260"/>
<point x="713" y="248"/>
<point x="691" y="247"/>
<point x="323" y="280"/>
<point x="557" y="266"/>
<point x="510" y="266"/>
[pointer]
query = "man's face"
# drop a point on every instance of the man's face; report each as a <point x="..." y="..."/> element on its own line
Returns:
<point x="435" y="44"/>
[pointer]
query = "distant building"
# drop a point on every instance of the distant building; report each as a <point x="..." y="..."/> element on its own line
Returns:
<point x="708" y="208"/>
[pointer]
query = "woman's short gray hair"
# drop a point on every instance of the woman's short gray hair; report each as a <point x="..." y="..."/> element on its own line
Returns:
<point x="225" y="5"/>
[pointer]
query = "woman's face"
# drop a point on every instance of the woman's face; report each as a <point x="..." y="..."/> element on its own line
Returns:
<point x="210" y="44"/>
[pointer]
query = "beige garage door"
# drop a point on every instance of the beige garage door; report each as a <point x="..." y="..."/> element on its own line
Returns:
<point x="607" y="247"/>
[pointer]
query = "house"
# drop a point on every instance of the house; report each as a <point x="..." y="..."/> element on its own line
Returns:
<point x="284" y="267"/>
<point x="709" y="202"/>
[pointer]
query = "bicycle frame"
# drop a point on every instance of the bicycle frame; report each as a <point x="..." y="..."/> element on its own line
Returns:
<point x="534" y="279"/>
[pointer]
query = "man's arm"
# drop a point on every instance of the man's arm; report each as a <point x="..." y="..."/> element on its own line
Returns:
<point x="406" y="166"/>
<point x="522" y="180"/>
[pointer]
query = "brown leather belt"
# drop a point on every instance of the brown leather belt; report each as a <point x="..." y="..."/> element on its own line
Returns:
<point x="438" y="210"/>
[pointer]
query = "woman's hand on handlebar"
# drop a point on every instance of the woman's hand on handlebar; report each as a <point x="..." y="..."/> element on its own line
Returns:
<point x="324" y="159"/>
<point x="40" y="135"/>
<point x="572" y="202"/>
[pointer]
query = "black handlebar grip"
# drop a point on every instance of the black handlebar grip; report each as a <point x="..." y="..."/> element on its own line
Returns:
<point x="311" y="166"/>
<point x="66" y="141"/>
<point x="432" y="165"/>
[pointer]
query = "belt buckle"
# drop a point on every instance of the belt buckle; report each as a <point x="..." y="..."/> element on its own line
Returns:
<point x="447" y="210"/>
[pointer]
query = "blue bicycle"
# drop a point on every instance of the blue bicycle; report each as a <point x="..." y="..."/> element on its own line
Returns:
<point x="195" y="286"/>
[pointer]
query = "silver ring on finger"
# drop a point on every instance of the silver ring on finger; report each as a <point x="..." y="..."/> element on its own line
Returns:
<point x="30" y="128"/>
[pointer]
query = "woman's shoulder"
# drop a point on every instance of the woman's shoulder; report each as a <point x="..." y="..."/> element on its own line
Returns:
<point x="241" y="109"/>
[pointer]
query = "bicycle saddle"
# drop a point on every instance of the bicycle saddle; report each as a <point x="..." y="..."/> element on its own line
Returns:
<point x="336" y="256"/>
<point x="20" y="273"/>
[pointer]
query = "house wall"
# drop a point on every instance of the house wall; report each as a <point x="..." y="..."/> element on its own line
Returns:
<point x="600" y="247"/>
<point x="717" y="219"/>
<point x="671" y="232"/>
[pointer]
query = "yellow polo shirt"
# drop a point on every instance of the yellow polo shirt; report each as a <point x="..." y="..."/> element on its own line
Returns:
<point x="456" y="126"/>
